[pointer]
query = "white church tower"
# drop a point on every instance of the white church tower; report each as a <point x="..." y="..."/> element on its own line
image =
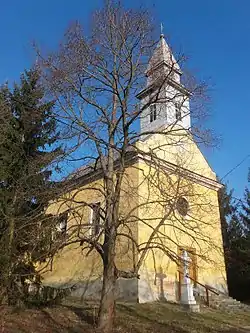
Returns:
<point x="167" y="98"/>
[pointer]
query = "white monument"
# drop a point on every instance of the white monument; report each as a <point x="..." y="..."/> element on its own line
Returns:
<point x="187" y="293"/>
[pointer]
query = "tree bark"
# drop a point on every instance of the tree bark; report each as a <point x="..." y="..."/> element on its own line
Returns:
<point x="107" y="304"/>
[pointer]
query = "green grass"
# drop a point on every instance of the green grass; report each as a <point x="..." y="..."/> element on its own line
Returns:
<point x="73" y="317"/>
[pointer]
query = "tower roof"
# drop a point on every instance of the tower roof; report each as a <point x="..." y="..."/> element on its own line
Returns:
<point x="162" y="55"/>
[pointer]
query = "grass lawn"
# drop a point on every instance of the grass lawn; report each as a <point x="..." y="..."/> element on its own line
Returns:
<point x="134" y="318"/>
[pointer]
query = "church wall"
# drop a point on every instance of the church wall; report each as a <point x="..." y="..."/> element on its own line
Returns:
<point x="159" y="277"/>
<point x="201" y="231"/>
<point x="72" y="266"/>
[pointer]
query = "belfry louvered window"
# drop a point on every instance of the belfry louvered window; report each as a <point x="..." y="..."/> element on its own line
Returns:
<point x="153" y="113"/>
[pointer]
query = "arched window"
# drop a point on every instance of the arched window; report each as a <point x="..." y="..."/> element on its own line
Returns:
<point x="182" y="206"/>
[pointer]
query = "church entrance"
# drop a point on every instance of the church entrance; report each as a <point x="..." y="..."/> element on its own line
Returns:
<point x="193" y="272"/>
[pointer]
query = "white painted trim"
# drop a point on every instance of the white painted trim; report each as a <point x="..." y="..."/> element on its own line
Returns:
<point x="91" y="221"/>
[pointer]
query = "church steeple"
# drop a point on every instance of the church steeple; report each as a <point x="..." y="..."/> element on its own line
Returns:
<point x="171" y="102"/>
<point x="163" y="60"/>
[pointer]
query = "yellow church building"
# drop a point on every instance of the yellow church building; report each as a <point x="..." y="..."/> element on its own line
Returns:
<point x="169" y="203"/>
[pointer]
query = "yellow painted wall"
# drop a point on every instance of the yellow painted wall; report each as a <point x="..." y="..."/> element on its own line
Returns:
<point x="201" y="229"/>
<point x="71" y="264"/>
<point x="145" y="184"/>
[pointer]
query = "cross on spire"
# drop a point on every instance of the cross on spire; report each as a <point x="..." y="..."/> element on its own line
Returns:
<point x="162" y="34"/>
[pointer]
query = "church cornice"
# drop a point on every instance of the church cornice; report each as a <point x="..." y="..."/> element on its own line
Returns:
<point x="148" y="90"/>
<point x="164" y="63"/>
<point x="187" y="174"/>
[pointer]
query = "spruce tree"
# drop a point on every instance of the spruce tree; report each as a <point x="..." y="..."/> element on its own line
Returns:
<point x="242" y="250"/>
<point x="228" y="212"/>
<point x="245" y="214"/>
<point x="28" y="136"/>
<point x="235" y="220"/>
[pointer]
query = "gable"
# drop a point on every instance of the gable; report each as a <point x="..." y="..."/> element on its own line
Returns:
<point x="178" y="148"/>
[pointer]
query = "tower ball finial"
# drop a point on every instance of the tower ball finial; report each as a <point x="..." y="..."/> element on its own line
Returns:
<point x="162" y="34"/>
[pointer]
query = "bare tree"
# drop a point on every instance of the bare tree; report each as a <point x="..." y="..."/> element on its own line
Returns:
<point x="94" y="79"/>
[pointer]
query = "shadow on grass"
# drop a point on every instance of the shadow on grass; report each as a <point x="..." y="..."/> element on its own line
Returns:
<point x="150" y="324"/>
<point x="57" y="326"/>
<point x="235" y="322"/>
<point x="86" y="314"/>
<point x="170" y="318"/>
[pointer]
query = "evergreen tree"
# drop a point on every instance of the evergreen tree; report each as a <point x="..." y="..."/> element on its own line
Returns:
<point x="241" y="251"/>
<point x="28" y="133"/>
<point x="245" y="214"/>
<point x="228" y="212"/>
<point x="235" y="220"/>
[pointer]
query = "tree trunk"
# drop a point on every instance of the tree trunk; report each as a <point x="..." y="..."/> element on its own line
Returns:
<point x="107" y="305"/>
<point x="9" y="277"/>
<point x="9" y="268"/>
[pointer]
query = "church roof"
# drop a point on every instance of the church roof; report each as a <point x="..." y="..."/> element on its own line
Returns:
<point x="162" y="55"/>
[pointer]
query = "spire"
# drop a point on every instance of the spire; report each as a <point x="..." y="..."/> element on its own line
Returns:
<point x="162" y="56"/>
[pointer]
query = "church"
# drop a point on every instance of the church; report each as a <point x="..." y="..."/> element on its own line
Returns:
<point x="169" y="204"/>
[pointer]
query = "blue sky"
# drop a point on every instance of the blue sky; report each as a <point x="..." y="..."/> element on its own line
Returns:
<point x="213" y="34"/>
